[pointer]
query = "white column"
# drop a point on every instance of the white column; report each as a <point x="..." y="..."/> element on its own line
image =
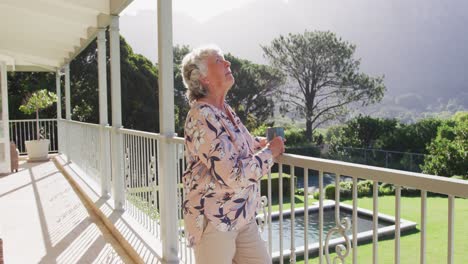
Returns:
<point x="167" y="162"/>
<point x="102" y="77"/>
<point x="67" y="92"/>
<point x="59" y="108"/>
<point x="5" y="137"/>
<point x="117" y="151"/>
<point x="67" y="112"/>
<point x="59" y="95"/>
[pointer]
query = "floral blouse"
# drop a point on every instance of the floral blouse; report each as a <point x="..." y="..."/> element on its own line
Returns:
<point x="225" y="164"/>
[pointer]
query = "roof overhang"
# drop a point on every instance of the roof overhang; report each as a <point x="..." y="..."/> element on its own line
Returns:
<point x="44" y="35"/>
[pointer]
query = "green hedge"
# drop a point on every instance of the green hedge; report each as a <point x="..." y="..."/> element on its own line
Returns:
<point x="365" y="189"/>
<point x="275" y="185"/>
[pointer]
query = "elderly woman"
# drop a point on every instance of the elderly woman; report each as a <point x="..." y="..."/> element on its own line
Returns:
<point x="225" y="165"/>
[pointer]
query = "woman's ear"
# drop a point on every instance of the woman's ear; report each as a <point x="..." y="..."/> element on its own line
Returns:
<point x="204" y="81"/>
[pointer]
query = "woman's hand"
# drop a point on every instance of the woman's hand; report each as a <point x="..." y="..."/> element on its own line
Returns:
<point x="276" y="146"/>
<point x="263" y="142"/>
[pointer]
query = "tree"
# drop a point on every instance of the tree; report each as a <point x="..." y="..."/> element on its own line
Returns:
<point x="21" y="83"/>
<point x="448" y="153"/>
<point x="139" y="84"/>
<point x="36" y="102"/>
<point x="327" y="76"/>
<point x="362" y="132"/>
<point x="180" y="100"/>
<point x="413" y="137"/>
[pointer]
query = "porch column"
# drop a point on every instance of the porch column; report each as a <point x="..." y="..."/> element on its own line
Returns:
<point x="103" y="120"/>
<point x="5" y="166"/>
<point x="67" y="112"/>
<point x="59" y="108"/>
<point x="117" y="151"/>
<point x="167" y="162"/>
<point x="67" y="92"/>
<point x="59" y="95"/>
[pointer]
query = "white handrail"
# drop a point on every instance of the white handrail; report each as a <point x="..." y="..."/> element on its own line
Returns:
<point x="420" y="181"/>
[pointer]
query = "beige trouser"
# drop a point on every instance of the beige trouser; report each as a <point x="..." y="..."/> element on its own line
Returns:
<point x="244" y="246"/>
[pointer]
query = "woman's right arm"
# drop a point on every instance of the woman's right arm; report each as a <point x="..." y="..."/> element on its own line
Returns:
<point x="208" y="139"/>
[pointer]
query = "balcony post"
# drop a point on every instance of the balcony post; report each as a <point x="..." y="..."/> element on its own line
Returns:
<point x="167" y="162"/>
<point x="59" y="95"/>
<point x="59" y="107"/>
<point x="67" y="112"/>
<point x="103" y="115"/>
<point x="117" y="151"/>
<point x="5" y="139"/>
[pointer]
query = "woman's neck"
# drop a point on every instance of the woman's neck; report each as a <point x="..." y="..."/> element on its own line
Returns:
<point x="218" y="101"/>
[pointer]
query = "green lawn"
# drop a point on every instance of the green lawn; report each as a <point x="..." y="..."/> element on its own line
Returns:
<point x="436" y="247"/>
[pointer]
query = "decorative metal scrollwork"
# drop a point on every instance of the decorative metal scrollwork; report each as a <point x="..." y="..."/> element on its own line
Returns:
<point x="341" y="251"/>
<point x="262" y="220"/>
<point x="127" y="167"/>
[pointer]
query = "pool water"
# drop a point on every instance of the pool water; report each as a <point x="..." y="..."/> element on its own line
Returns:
<point x="364" y="224"/>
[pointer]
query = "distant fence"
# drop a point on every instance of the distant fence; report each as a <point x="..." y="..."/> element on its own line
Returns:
<point x="406" y="161"/>
<point x="23" y="130"/>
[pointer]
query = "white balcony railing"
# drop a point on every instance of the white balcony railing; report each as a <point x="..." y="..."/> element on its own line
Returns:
<point x="140" y="165"/>
<point x="23" y="130"/>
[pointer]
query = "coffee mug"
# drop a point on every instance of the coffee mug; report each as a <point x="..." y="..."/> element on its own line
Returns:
<point x="273" y="132"/>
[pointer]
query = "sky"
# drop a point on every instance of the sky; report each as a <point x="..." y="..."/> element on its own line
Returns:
<point x="200" y="10"/>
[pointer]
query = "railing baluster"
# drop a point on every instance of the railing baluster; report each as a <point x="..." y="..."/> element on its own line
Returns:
<point x="451" y="222"/>
<point x="270" y="233"/>
<point x="337" y="198"/>
<point x="140" y="169"/>
<point x="131" y="174"/>
<point x="375" y="222"/>
<point x="355" y="221"/>
<point x="179" y="203"/>
<point x="145" y="176"/>
<point x="397" y="223"/>
<point x="423" y="226"/>
<point x="292" y="258"/>
<point x="321" y="240"/>
<point x="10" y="126"/>
<point x="306" y="215"/>
<point x="23" y="137"/>
<point x="157" y="175"/>
<point x="280" y="202"/>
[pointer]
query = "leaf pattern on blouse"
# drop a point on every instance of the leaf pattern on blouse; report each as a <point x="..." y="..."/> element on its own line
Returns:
<point x="225" y="164"/>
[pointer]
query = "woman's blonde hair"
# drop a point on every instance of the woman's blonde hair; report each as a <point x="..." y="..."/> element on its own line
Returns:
<point x="194" y="67"/>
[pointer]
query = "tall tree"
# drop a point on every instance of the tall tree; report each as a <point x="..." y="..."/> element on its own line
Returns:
<point x="328" y="77"/>
<point x="23" y="84"/>
<point x="139" y="86"/>
<point x="180" y="100"/>
<point x="448" y="152"/>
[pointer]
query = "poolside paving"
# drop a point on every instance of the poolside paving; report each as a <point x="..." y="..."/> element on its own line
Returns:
<point x="43" y="220"/>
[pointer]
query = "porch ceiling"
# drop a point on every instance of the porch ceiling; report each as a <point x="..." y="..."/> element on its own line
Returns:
<point x="44" y="35"/>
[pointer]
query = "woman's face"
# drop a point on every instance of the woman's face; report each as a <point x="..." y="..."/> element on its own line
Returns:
<point x="219" y="74"/>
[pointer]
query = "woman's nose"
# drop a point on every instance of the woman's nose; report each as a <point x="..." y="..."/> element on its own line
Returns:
<point x="227" y="63"/>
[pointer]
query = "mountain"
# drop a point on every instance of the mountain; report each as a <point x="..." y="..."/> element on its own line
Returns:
<point x="421" y="46"/>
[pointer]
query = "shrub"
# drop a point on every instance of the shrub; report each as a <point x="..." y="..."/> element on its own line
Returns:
<point x="364" y="188"/>
<point x="295" y="136"/>
<point x="310" y="151"/>
<point x="316" y="195"/>
<point x="275" y="186"/>
<point x="386" y="189"/>
<point x="330" y="191"/>
<point x="346" y="190"/>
